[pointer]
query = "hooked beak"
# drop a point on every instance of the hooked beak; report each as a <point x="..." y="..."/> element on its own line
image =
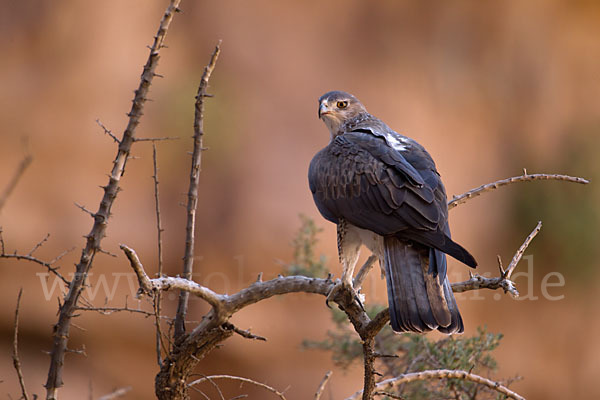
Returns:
<point x="323" y="110"/>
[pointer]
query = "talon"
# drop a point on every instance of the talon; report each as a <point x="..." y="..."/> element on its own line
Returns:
<point x="359" y="297"/>
<point x="332" y="293"/>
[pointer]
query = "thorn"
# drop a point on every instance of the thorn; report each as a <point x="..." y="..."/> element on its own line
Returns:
<point x="259" y="279"/>
<point x="82" y="208"/>
<point x="502" y="272"/>
<point x="525" y="171"/>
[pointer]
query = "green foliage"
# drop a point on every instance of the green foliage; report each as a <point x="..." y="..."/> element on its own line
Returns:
<point x="416" y="352"/>
<point x="305" y="261"/>
<point x="403" y="353"/>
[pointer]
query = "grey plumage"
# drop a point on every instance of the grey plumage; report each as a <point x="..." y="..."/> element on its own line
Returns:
<point x="380" y="182"/>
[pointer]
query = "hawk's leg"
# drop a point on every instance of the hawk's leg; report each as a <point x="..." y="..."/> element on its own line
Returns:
<point x="349" y="243"/>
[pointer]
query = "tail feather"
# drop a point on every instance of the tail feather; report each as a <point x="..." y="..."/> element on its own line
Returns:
<point x="404" y="307"/>
<point x="457" y="323"/>
<point x="420" y="298"/>
<point x="420" y="286"/>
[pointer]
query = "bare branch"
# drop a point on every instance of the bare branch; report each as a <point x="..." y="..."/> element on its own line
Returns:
<point x="456" y="200"/>
<point x="159" y="230"/>
<point x="38" y="245"/>
<point x="218" y="389"/>
<point x="61" y="255"/>
<point x="107" y="131"/>
<point x="15" y="179"/>
<point x="244" y="333"/>
<point x="117" y="393"/>
<point x="85" y="210"/>
<point x="477" y="282"/>
<point x="364" y="270"/>
<point x="188" y="258"/>
<point x="111" y="310"/>
<point x="517" y="257"/>
<point x="443" y="374"/>
<point x="503" y="281"/>
<point x="322" y="385"/>
<point x="153" y="140"/>
<point x="240" y="379"/>
<point x="165" y="283"/>
<point x="15" y="355"/>
<point x="97" y="233"/>
<point x="47" y="265"/>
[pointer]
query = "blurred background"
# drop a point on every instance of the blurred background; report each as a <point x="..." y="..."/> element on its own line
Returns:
<point x="489" y="88"/>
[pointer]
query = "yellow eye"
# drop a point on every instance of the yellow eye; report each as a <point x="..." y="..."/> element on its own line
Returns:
<point x="342" y="104"/>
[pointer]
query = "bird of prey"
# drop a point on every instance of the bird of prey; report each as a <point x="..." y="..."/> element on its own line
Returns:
<point x="382" y="190"/>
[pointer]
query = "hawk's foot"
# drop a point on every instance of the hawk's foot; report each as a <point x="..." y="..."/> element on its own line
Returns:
<point x="341" y="286"/>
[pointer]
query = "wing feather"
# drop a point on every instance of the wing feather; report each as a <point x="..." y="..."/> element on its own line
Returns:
<point x="362" y="179"/>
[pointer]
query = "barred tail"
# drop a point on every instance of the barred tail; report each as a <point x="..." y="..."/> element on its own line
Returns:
<point x="420" y="299"/>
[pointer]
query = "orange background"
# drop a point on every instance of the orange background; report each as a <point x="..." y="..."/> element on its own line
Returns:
<point x="487" y="87"/>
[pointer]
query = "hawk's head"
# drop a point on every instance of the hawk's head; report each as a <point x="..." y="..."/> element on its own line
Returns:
<point x="337" y="107"/>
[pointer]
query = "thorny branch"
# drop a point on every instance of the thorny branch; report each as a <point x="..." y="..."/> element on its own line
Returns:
<point x="159" y="229"/>
<point x="97" y="233"/>
<point x="15" y="355"/>
<point x="15" y="179"/>
<point x="321" y="387"/>
<point x="503" y="281"/>
<point x="240" y="379"/>
<point x="116" y="394"/>
<point x="442" y="374"/>
<point x="188" y="258"/>
<point x="214" y="328"/>
<point x="456" y="200"/>
<point x="29" y="257"/>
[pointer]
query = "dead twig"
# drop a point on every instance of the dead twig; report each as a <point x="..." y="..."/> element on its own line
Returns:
<point x="117" y="393"/>
<point x="503" y="281"/>
<point x="244" y="333"/>
<point x="38" y="245"/>
<point x="97" y="233"/>
<point x="517" y="257"/>
<point x="149" y="286"/>
<point x="322" y="385"/>
<point x="47" y="265"/>
<point x="153" y="140"/>
<point x="112" y="310"/>
<point x="363" y="271"/>
<point x="240" y="379"/>
<point x="192" y="203"/>
<point x="159" y="229"/>
<point x="456" y="200"/>
<point x="15" y="179"/>
<point x="443" y="374"/>
<point x="108" y="131"/>
<point x="15" y="355"/>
